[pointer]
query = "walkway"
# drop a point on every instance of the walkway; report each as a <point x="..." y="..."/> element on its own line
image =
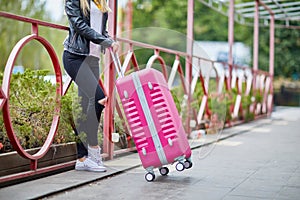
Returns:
<point x="259" y="160"/>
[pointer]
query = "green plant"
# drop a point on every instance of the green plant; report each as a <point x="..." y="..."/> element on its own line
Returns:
<point x="246" y="102"/>
<point x="32" y="103"/>
<point x="218" y="105"/>
<point x="176" y="93"/>
<point x="70" y="112"/>
<point x="258" y="97"/>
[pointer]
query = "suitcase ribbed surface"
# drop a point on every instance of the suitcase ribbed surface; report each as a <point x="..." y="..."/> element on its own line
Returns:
<point x="135" y="123"/>
<point x="163" y="113"/>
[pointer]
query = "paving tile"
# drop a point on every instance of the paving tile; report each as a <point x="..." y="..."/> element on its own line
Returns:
<point x="241" y="197"/>
<point x="288" y="192"/>
<point x="254" y="193"/>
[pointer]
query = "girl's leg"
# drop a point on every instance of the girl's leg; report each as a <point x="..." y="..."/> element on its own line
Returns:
<point x="78" y="68"/>
<point x="94" y="151"/>
<point x="87" y="81"/>
<point x="72" y="64"/>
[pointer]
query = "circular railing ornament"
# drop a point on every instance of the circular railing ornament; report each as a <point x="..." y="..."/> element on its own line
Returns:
<point x="5" y="98"/>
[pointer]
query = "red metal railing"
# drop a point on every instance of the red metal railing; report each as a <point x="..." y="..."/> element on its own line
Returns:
<point x="6" y="88"/>
<point x="244" y="80"/>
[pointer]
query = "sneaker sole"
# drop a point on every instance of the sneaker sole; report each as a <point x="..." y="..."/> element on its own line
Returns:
<point x="90" y="170"/>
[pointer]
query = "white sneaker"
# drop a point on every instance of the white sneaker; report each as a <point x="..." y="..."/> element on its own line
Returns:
<point x="89" y="165"/>
<point x="95" y="155"/>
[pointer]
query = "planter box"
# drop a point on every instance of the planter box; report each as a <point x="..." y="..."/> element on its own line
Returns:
<point x="11" y="163"/>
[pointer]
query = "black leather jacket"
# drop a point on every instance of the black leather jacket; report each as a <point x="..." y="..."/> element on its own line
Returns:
<point x="80" y="32"/>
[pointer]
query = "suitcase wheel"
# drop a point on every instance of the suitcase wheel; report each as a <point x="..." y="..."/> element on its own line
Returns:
<point x="188" y="164"/>
<point x="164" y="171"/>
<point x="150" y="176"/>
<point x="180" y="166"/>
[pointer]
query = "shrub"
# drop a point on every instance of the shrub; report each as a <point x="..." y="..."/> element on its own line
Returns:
<point x="32" y="103"/>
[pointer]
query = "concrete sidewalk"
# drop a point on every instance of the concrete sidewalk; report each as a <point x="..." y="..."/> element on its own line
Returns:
<point x="258" y="160"/>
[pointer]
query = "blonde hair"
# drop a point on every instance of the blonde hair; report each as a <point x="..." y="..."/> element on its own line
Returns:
<point x="101" y="5"/>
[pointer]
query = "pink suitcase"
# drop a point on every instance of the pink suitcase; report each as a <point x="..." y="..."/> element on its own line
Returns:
<point x="154" y="122"/>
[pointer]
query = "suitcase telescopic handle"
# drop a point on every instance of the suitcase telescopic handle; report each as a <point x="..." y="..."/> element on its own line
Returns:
<point x="117" y="63"/>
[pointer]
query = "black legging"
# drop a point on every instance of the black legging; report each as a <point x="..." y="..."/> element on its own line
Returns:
<point x="84" y="70"/>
